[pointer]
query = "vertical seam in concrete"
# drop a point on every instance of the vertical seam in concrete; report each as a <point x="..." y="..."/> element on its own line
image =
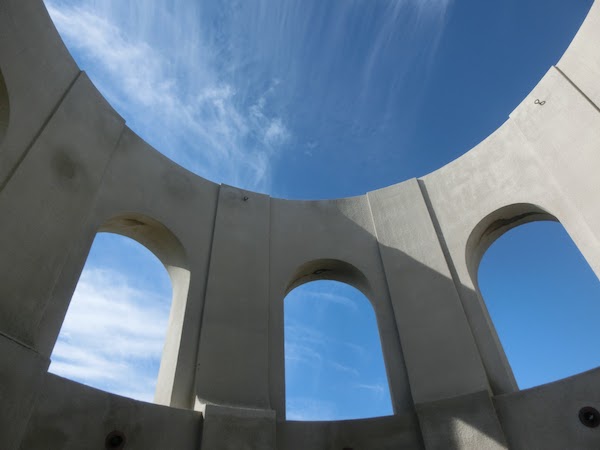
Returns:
<point x="583" y="94"/>
<point x="389" y="294"/>
<point x="440" y="236"/>
<point x="206" y="280"/>
<point x="269" y="311"/>
<point x="29" y="146"/>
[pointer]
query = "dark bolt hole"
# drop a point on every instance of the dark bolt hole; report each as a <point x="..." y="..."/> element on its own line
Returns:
<point x="115" y="440"/>
<point x="589" y="416"/>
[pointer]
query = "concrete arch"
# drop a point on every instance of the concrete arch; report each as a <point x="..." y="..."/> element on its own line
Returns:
<point x="330" y="269"/>
<point x="494" y="225"/>
<point x="344" y="272"/>
<point x="4" y="108"/>
<point x="168" y="249"/>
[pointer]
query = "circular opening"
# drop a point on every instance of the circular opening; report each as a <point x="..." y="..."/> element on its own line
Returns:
<point x="115" y="440"/>
<point x="589" y="416"/>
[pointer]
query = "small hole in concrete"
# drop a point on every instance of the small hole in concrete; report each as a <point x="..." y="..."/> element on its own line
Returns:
<point x="115" y="440"/>
<point x="589" y="416"/>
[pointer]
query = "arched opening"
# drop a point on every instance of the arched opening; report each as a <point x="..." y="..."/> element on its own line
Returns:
<point x="543" y="299"/>
<point x="4" y="108"/>
<point x="113" y="334"/>
<point x="334" y="366"/>
<point x="133" y="265"/>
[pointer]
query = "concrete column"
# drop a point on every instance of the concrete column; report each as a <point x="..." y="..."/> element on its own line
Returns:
<point x="441" y="357"/>
<point x="233" y="362"/>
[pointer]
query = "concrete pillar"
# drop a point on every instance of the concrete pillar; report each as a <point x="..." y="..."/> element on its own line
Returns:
<point x="233" y="361"/>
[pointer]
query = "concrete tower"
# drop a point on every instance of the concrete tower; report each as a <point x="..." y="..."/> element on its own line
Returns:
<point x="70" y="167"/>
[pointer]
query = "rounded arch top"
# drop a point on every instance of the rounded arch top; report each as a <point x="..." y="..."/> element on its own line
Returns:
<point x="152" y="234"/>
<point x="494" y="225"/>
<point x="330" y="269"/>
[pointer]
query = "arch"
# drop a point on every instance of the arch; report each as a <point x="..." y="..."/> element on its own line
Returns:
<point x="332" y="342"/>
<point x="330" y="269"/>
<point x="489" y="230"/>
<point x="494" y="225"/>
<point x="163" y="243"/>
<point x="4" y="108"/>
<point x="168" y="250"/>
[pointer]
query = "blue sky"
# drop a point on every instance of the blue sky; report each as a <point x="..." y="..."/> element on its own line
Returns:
<point x="308" y="100"/>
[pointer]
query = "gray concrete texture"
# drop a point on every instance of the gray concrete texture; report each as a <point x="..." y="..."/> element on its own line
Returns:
<point x="70" y="168"/>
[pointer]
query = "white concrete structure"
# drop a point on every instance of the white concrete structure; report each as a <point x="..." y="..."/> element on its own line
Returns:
<point x="70" y="167"/>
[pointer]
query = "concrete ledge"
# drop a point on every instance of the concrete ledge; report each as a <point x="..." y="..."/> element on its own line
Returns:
<point x="547" y="417"/>
<point x="465" y="422"/>
<point x="228" y="428"/>
<point x="71" y="416"/>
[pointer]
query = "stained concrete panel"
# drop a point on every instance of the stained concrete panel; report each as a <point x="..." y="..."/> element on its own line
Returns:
<point x="46" y="203"/>
<point x="38" y="71"/>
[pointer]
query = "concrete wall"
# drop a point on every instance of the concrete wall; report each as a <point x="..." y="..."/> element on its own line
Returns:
<point x="70" y="167"/>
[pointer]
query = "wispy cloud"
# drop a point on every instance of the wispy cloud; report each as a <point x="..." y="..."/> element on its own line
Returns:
<point x="302" y="408"/>
<point x="378" y="389"/>
<point x="202" y="124"/>
<point x="112" y="336"/>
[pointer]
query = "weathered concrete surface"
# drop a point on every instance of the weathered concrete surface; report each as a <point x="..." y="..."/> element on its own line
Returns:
<point x="39" y="70"/>
<point x="71" y="416"/>
<point x="22" y="372"/>
<point x="69" y="168"/>
<point x="382" y="433"/>
<point x="547" y="417"/>
<point x="46" y="202"/>
<point x="238" y="429"/>
<point x="467" y="421"/>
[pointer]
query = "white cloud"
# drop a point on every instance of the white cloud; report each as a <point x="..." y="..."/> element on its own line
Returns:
<point x="202" y="125"/>
<point x="112" y="336"/>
